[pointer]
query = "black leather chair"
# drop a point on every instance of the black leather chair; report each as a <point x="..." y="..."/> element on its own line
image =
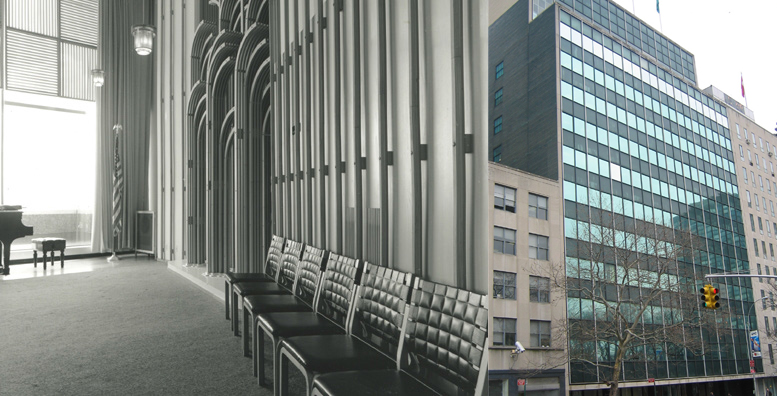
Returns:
<point x="287" y="272"/>
<point x="375" y="331"/>
<point x="443" y="349"/>
<point x="332" y="305"/>
<point x="308" y="276"/>
<point x="270" y="274"/>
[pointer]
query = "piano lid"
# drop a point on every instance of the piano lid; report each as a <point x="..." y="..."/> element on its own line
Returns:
<point x="10" y="207"/>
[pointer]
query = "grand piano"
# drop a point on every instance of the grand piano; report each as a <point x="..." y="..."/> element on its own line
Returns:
<point x="11" y="227"/>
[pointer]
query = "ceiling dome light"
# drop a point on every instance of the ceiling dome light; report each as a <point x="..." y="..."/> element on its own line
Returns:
<point x="144" y="38"/>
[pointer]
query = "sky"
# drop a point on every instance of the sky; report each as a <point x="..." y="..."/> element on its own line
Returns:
<point x="727" y="38"/>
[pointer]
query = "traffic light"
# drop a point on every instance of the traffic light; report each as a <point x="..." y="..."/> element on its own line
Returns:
<point x="709" y="297"/>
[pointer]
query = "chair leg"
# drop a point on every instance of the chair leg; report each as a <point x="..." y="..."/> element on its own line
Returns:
<point x="44" y="259"/>
<point x="227" y="287"/>
<point x="255" y="347"/>
<point x="61" y="258"/>
<point x="281" y="373"/>
<point x="235" y="318"/>
<point x="261" y="374"/>
<point x="35" y="258"/>
<point x="244" y="333"/>
<point x="285" y="360"/>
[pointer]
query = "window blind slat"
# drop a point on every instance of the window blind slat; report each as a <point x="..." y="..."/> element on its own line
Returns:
<point x="32" y="63"/>
<point x="79" y="21"/>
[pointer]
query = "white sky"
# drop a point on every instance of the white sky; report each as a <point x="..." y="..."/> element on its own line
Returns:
<point x="726" y="38"/>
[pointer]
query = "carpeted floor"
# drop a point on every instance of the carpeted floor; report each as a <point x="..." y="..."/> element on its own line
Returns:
<point x="137" y="329"/>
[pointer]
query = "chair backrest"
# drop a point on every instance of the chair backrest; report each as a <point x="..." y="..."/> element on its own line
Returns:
<point x="274" y="253"/>
<point x="337" y="288"/>
<point x="309" y="273"/>
<point x="446" y="337"/>
<point x="289" y="263"/>
<point x="380" y="307"/>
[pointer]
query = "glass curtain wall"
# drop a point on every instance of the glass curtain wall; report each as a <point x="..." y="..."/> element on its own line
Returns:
<point x="641" y="144"/>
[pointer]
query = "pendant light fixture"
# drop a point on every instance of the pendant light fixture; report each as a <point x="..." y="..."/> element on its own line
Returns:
<point x="98" y="77"/>
<point x="144" y="36"/>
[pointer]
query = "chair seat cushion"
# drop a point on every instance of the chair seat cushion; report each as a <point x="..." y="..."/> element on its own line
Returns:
<point x="290" y="324"/>
<point x="251" y="288"/>
<point x="233" y="277"/>
<point x="370" y="383"/>
<point x="335" y="352"/>
<point x="274" y="303"/>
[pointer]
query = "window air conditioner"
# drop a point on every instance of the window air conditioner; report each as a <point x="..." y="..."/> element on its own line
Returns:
<point x="771" y="154"/>
<point x="747" y="141"/>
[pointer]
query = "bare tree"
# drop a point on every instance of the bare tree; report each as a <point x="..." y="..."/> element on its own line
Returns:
<point x="632" y="295"/>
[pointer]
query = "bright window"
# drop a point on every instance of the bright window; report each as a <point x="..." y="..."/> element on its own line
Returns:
<point x="49" y="165"/>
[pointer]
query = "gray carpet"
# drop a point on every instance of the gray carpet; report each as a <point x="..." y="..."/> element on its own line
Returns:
<point x="138" y="329"/>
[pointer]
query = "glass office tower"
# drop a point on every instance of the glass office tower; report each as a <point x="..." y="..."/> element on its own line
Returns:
<point x="586" y="93"/>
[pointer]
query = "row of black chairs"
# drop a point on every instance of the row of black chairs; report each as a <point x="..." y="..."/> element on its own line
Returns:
<point x="358" y="328"/>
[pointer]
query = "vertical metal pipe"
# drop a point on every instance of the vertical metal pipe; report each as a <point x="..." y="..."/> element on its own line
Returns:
<point x="209" y="221"/>
<point x="321" y="130"/>
<point x="415" y="140"/>
<point x="242" y="168"/>
<point x="162" y="200"/>
<point x="286" y="45"/>
<point x="173" y="179"/>
<point x="184" y="156"/>
<point x="460" y="179"/>
<point x="308" y="125"/>
<point x="383" y="134"/>
<point x="339" y="170"/>
<point x="297" y="126"/>
<point x="274" y="16"/>
<point x="357" y="130"/>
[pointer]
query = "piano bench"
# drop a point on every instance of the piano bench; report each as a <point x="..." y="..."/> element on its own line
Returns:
<point x="46" y="245"/>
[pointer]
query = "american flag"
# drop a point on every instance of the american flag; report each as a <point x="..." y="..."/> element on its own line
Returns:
<point x="118" y="183"/>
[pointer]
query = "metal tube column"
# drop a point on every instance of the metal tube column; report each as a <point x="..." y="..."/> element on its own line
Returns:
<point x="383" y="135"/>
<point x="357" y="131"/>
<point x="321" y="130"/>
<point x="460" y="180"/>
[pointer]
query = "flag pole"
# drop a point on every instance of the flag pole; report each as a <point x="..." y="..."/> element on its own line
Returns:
<point x="660" y="22"/>
<point x="118" y="191"/>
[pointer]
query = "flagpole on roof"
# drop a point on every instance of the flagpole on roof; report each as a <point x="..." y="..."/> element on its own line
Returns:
<point x="660" y="22"/>
<point x="742" y="83"/>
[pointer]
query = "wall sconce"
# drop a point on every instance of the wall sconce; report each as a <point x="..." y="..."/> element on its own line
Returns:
<point x="144" y="38"/>
<point x="98" y="77"/>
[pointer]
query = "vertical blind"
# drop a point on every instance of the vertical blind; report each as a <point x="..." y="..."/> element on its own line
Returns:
<point x="51" y="47"/>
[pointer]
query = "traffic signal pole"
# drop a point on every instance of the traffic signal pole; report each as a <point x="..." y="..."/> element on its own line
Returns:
<point x="749" y="325"/>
